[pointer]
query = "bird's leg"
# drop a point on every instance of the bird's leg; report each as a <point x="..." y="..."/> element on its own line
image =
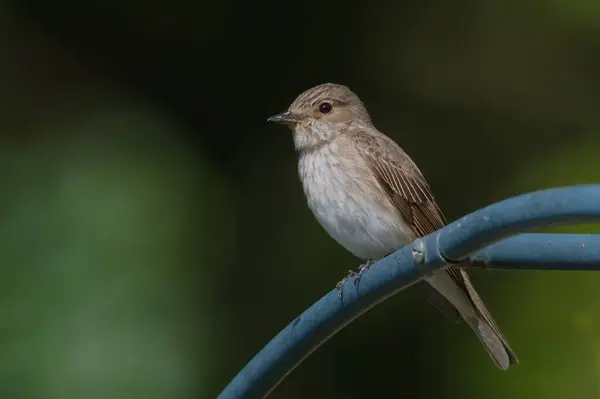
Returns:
<point x="362" y="269"/>
<point x="340" y="286"/>
<point x="351" y="274"/>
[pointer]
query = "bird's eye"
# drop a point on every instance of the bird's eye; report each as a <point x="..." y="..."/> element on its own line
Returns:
<point x="325" y="108"/>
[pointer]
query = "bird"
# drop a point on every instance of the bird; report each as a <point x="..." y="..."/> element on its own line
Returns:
<point x="371" y="198"/>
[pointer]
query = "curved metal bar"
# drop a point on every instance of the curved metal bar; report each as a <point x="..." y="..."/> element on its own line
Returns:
<point x="405" y="267"/>
<point x="322" y="320"/>
<point x="541" y="252"/>
<point x="471" y="232"/>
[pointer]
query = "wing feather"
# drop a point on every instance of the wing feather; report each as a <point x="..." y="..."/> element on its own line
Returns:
<point x="406" y="187"/>
<point x="411" y="195"/>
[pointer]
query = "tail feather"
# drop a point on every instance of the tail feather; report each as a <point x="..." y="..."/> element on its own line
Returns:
<point x="487" y="330"/>
<point x="455" y="286"/>
<point x="500" y="353"/>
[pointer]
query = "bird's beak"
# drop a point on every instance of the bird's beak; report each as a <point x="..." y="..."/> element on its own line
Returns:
<point x="286" y="118"/>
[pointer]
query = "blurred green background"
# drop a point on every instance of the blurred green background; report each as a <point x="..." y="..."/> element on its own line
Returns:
<point x="154" y="233"/>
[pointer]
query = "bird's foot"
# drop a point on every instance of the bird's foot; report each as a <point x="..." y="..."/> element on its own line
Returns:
<point x="351" y="274"/>
<point x="340" y="285"/>
<point x="361" y="270"/>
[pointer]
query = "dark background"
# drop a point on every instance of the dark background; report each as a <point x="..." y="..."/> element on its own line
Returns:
<point x="154" y="231"/>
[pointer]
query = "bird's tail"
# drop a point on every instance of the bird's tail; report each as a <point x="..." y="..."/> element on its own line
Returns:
<point x="486" y="328"/>
<point x="457" y="292"/>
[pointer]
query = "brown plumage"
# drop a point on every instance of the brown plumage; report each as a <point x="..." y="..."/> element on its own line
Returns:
<point x="370" y="197"/>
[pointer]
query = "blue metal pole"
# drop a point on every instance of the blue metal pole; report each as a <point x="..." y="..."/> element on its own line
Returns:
<point x="322" y="320"/>
<point x="449" y="245"/>
<point x="541" y="252"/>
<point x="558" y="205"/>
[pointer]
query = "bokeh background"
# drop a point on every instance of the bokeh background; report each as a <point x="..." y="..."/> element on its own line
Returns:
<point x="154" y="235"/>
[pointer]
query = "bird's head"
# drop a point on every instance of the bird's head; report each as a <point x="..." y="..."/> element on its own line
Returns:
<point x="322" y="113"/>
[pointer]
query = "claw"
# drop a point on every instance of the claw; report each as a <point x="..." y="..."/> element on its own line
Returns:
<point x="340" y="285"/>
<point x="361" y="270"/>
<point x="351" y="274"/>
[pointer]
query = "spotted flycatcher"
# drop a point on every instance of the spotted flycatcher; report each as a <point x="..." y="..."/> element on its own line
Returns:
<point x="371" y="198"/>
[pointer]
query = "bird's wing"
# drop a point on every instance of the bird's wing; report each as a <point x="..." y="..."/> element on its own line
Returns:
<point x="403" y="182"/>
<point x="409" y="192"/>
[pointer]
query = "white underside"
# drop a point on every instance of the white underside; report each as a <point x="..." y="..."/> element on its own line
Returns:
<point x="350" y="206"/>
